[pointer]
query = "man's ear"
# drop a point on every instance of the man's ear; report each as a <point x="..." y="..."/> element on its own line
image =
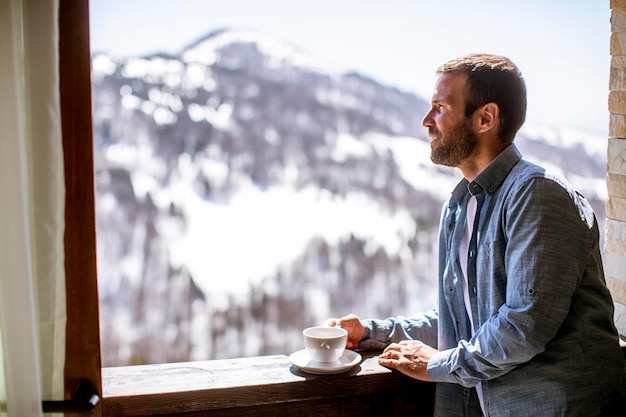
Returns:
<point x="488" y="117"/>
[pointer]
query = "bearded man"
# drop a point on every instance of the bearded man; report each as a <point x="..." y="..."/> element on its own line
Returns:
<point x="524" y="322"/>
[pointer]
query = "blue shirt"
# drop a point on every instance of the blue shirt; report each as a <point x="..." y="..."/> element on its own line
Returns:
<point x="545" y="343"/>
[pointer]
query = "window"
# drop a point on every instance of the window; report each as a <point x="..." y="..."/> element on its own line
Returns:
<point x="221" y="320"/>
<point x="263" y="395"/>
<point x="82" y="354"/>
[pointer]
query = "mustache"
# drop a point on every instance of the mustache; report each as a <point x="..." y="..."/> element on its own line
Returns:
<point x="434" y="132"/>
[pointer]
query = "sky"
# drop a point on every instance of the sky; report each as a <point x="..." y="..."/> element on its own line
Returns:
<point x="561" y="46"/>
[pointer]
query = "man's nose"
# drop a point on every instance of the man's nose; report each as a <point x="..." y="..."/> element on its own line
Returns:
<point x="427" y="121"/>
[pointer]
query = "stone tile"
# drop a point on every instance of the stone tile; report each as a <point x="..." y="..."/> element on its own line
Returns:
<point x="615" y="242"/>
<point x="616" y="156"/>
<point x="618" y="20"/>
<point x="618" y="43"/>
<point x="616" y="208"/>
<point x="616" y="185"/>
<point x="618" y="4"/>
<point x="617" y="74"/>
<point x="617" y="288"/>
<point x="615" y="264"/>
<point x="617" y="126"/>
<point x="617" y="102"/>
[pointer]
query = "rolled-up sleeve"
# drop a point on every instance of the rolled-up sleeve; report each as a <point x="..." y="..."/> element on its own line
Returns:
<point x="379" y="333"/>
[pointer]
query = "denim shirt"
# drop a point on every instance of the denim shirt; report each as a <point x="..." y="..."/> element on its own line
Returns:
<point x="545" y="343"/>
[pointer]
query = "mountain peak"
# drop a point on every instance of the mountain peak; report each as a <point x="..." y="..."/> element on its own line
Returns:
<point x="209" y="49"/>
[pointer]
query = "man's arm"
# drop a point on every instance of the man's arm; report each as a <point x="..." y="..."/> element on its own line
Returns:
<point x="377" y="334"/>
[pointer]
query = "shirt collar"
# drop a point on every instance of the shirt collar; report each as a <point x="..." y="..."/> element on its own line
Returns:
<point x="490" y="178"/>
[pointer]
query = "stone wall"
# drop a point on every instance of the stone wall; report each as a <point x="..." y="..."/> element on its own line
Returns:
<point x="615" y="238"/>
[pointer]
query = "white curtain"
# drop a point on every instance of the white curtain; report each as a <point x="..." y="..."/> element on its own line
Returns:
<point x="32" y="196"/>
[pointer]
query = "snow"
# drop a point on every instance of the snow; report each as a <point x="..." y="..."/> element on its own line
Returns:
<point x="564" y="137"/>
<point x="207" y="52"/>
<point x="103" y="65"/>
<point x="413" y="158"/>
<point x="272" y="228"/>
<point x="348" y="146"/>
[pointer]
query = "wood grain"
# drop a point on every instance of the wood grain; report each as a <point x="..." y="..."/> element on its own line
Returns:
<point x="268" y="385"/>
<point x="82" y="350"/>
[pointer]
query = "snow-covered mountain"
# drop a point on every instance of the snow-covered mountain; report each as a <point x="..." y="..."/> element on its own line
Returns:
<point x="246" y="191"/>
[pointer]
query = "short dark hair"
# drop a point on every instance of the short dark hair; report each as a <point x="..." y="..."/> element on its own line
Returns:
<point x="493" y="79"/>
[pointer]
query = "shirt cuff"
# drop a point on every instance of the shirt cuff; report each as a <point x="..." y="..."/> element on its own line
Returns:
<point x="366" y="330"/>
<point x="437" y="367"/>
<point x="369" y="340"/>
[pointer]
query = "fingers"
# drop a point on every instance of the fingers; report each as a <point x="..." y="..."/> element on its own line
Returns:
<point x="352" y="324"/>
<point x="392" y="351"/>
<point x="391" y="358"/>
<point x="409" y="357"/>
<point x="392" y="346"/>
<point x="331" y="322"/>
<point x="347" y="322"/>
<point x="338" y="322"/>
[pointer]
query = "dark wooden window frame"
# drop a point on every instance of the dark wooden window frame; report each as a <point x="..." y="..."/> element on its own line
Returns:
<point x="82" y="349"/>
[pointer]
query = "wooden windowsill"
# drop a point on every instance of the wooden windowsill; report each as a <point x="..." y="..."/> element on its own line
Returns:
<point x="261" y="386"/>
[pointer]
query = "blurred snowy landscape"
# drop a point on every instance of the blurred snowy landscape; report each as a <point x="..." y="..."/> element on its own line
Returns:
<point x="246" y="189"/>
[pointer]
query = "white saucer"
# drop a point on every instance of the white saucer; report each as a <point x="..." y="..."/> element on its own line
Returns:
<point x="303" y="360"/>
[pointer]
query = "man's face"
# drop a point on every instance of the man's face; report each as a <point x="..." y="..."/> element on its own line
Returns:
<point x="452" y="136"/>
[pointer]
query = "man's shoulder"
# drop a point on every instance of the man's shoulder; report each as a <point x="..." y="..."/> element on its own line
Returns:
<point x="525" y="171"/>
<point x="540" y="182"/>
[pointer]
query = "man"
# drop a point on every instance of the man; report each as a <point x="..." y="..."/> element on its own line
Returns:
<point x="524" y="324"/>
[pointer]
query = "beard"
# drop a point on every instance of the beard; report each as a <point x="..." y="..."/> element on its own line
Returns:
<point x="455" y="146"/>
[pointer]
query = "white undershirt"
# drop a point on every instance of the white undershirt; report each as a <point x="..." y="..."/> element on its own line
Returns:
<point x="467" y="236"/>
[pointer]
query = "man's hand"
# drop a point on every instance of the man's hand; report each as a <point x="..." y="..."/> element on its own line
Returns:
<point x="354" y="327"/>
<point x="409" y="357"/>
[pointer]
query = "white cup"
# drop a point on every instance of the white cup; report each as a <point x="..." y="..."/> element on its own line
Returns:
<point x="325" y="344"/>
